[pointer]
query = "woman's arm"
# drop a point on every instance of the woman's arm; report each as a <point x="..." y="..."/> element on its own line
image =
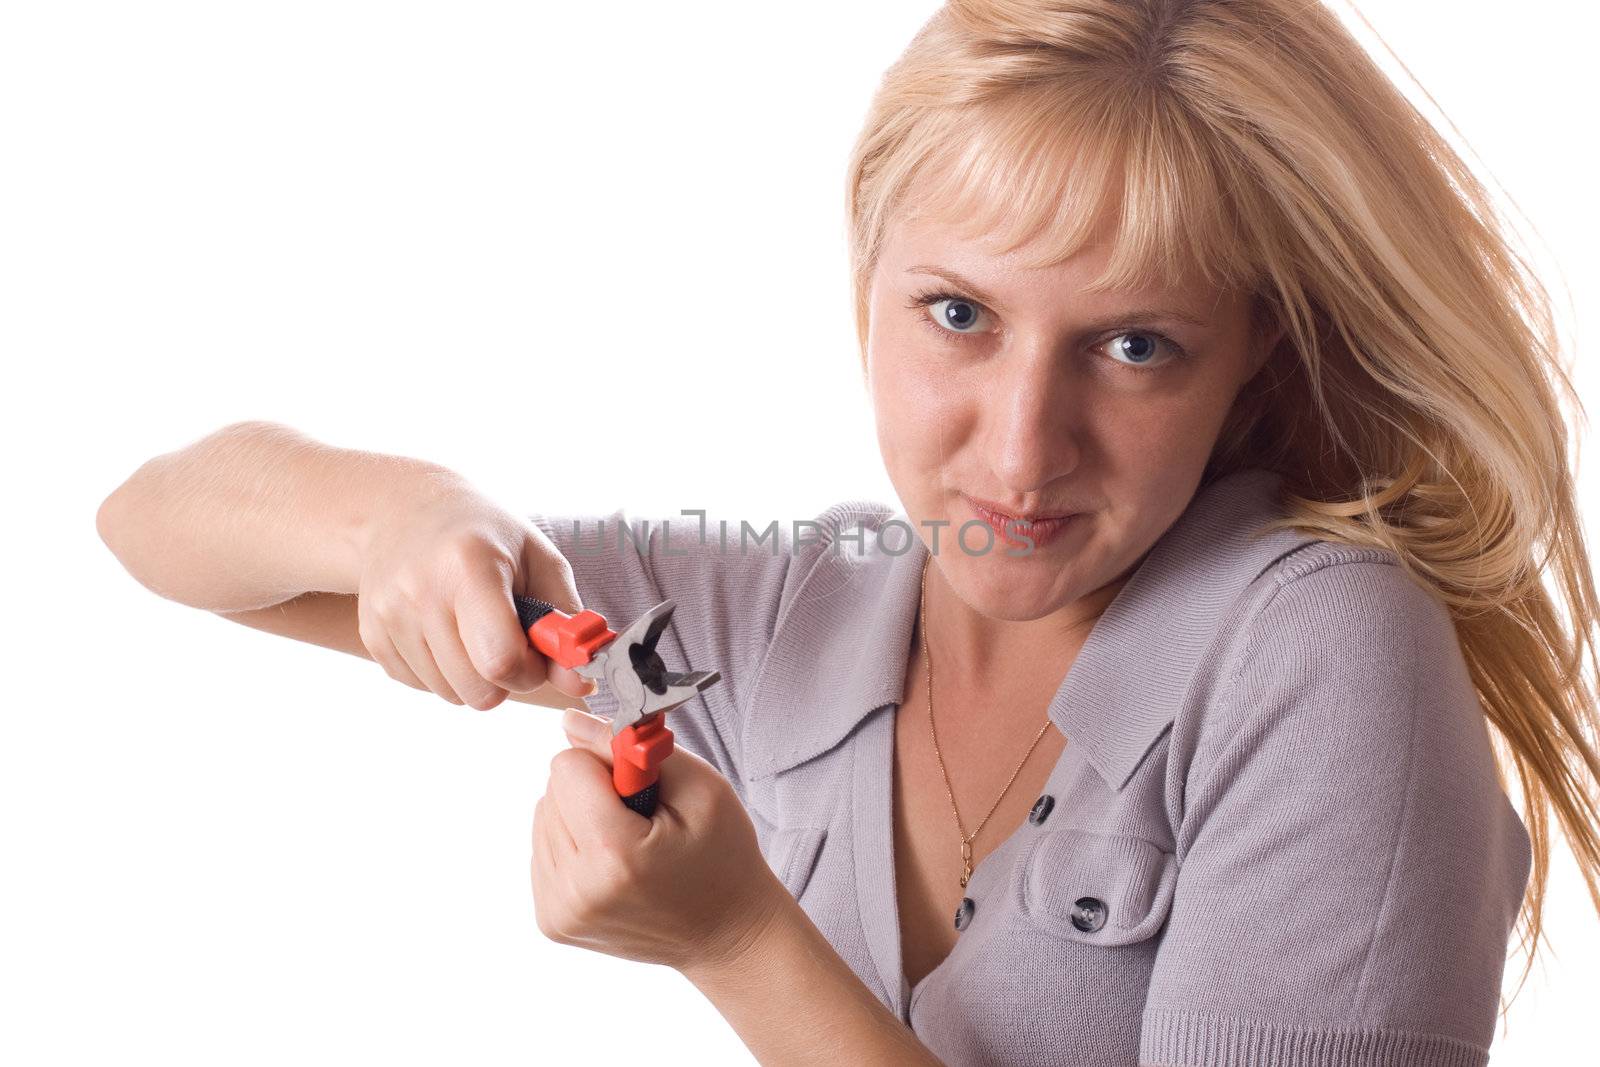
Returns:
<point x="403" y="558"/>
<point x="793" y="1000"/>
<point x="332" y="621"/>
<point x="255" y="514"/>
<point x="1349" y="869"/>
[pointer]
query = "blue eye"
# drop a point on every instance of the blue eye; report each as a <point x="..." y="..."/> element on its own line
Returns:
<point x="1140" y="348"/>
<point x="950" y="312"/>
<point x="951" y="317"/>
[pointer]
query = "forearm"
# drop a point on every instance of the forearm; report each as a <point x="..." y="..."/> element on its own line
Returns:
<point x="793" y="1001"/>
<point x="255" y="514"/>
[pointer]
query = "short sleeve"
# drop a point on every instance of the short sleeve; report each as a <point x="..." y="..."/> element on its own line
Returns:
<point x="727" y="579"/>
<point x="1350" y="868"/>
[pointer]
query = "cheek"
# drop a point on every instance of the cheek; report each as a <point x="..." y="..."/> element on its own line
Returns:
<point x="1160" y="422"/>
<point x="917" y="410"/>
<point x="1155" y="453"/>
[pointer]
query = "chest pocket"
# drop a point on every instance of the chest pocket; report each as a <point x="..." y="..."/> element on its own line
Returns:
<point x="792" y="854"/>
<point x="1097" y="889"/>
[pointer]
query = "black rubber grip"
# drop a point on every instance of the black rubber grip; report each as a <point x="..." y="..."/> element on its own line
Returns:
<point x="530" y="610"/>
<point x="644" y="801"/>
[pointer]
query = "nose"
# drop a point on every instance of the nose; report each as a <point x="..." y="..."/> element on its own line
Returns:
<point x="1032" y="423"/>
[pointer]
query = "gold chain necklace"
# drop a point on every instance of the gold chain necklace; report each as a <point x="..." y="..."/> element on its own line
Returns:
<point x="966" y="838"/>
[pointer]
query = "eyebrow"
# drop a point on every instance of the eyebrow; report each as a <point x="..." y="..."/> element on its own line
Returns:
<point x="1130" y="316"/>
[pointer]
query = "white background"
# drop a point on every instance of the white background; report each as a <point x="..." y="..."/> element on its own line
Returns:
<point x="569" y="250"/>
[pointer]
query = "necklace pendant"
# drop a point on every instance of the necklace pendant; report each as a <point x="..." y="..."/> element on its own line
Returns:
<point x="966" y="862"/>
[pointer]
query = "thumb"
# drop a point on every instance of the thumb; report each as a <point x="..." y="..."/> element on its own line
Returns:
<point x="547" y="575"/>
<point x="588" y="732"/>
<point x="490" y="632"/>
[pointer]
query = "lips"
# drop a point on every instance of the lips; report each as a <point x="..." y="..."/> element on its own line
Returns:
<point x="1011" y="528"/>
<point x="993" y="508"/>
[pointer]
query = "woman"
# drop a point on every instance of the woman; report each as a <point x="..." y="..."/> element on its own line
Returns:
<point x="1157" y="728"/>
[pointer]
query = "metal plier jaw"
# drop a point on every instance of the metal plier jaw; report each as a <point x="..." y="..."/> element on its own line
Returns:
<point x="632" y="671"/>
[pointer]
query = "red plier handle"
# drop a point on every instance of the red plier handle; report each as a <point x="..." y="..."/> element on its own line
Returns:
<point x="638" y="749"/>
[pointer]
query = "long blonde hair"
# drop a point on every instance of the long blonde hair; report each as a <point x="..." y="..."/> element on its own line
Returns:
<point x="1414" y="401"/>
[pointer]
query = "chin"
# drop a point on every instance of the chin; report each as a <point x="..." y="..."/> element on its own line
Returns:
<point x="1009" y="588"/>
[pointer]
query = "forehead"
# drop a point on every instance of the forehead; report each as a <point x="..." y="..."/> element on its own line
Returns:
<point x="1079" y="192"/>
<point x="1026" y="272"/>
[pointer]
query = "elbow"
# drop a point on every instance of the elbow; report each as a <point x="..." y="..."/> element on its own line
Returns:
<point x="113" y="515"/>
<point x="117" y="523"/>
<point x="123" y="525"/>
<point x="109" y="520"/>
<point x="119" y="513"/>
<point x="125" y="517"/>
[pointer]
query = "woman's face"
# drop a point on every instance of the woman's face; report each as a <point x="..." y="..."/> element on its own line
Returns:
<point x="1007" y="386"/>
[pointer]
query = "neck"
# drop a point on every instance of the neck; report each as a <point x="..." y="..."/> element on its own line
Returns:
<point x="999" y="655"/>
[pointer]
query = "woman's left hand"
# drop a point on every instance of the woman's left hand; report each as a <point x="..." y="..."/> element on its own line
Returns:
<point x="687" y="887"/>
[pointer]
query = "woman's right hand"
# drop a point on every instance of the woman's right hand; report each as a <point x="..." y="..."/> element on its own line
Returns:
<point x="435" y="599"/>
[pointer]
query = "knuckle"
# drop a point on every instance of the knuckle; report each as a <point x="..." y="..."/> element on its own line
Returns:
<point x="723" y="793"/>
<point x="550" y="928"/>
<point x="403" y="596"/>
<point x="560" y="567"/>
<point x="489" y="700"/>
<point x="553" y="571"/>
<point x="588" y="911"/>
<point x="390" y="609"/>
<point x="564" y="762"/>
<point x="369" y="623"/>
<point x="535" y="676"/>
<point x="502" y="664"/>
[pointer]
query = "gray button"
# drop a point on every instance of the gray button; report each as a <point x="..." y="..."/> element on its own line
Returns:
<point x="1041" y="809"/>
<point x="1089" y="914"/>
<point x="964" y="913"/>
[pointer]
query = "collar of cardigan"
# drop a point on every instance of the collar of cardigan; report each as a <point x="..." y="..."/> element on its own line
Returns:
<point x="839" y="651"/>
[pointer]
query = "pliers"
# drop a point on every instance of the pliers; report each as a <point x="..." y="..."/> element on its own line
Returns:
<point x="633" y="672"/>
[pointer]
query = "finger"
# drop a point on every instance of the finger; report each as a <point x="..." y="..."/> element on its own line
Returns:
<point x="382" y="648"/>
<point x="542" y="871"/>
<point x="556" y="865"/>
<point x="682" y="774"/>
<point x="495" y="642"/>
<point x="444" y="641"/>
<point x="414" y="647"/>
<point x="569" y="681"/>
<point x="687" y="783"/>
<point x="537" y="837"/>
<point x="582" y="789"/>
<point x="555" y="827"/>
